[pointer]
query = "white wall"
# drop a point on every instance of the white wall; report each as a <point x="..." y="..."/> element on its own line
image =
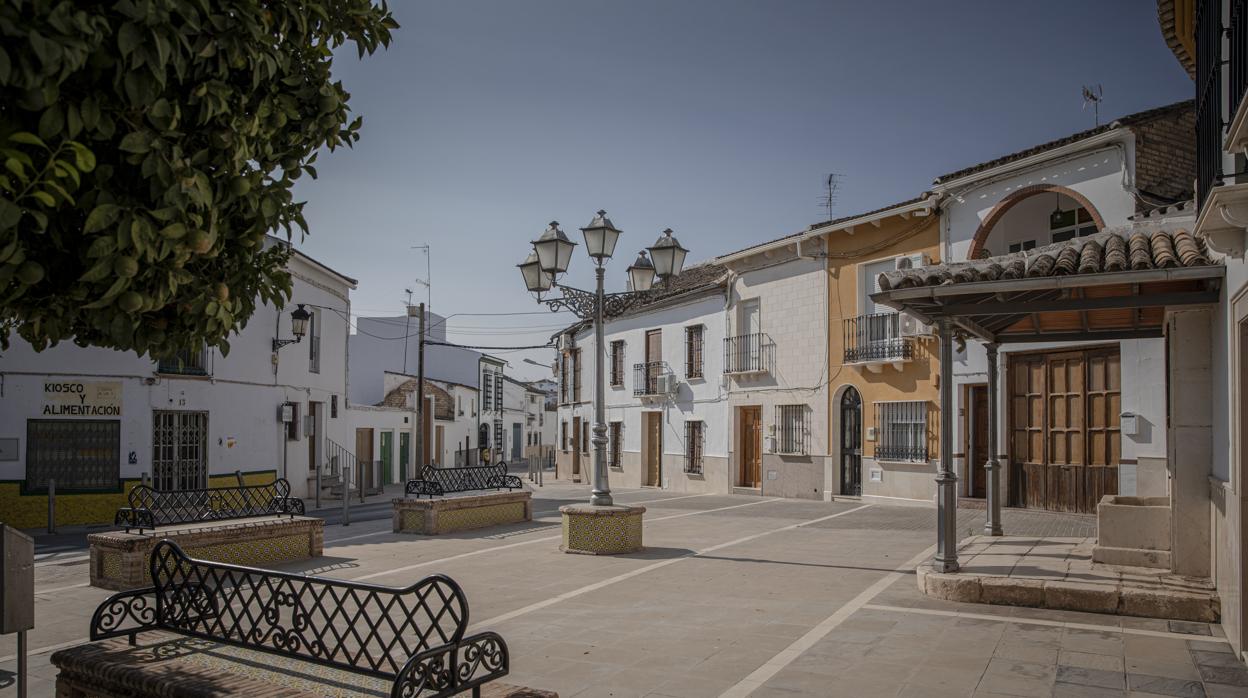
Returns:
<point x="377" y="347"/>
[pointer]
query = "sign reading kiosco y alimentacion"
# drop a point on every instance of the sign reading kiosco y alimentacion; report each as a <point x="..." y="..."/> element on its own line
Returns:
<point x="81" y="399"/>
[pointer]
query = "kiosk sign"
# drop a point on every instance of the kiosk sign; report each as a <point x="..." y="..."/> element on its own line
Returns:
<point x="81" y="399"/>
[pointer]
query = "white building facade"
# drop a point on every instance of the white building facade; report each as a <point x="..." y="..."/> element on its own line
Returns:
<point x="96" y="420"/>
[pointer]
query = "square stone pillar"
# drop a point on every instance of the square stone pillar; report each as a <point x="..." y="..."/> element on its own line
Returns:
<point x="1189" y="439"/>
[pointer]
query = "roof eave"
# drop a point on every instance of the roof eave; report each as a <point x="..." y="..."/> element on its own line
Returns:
<point x="1114" y="133"/>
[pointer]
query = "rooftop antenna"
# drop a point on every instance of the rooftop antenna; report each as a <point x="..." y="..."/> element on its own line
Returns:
<point x="828" y="201"/>
<point x="1094" y="96"/>
<point x="427" y="282"/>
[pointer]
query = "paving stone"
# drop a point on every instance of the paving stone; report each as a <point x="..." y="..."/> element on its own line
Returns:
<point x="1189" y="628"/>
<point x="1230" y="676"/>
<point x="1162" y="686"/>
<point x="1087" y="660"/>
<point x="1222" y="659"/>
<point x="1091" y="677"/>
<point x="1070" y="690"/>
<point x="1179" y="668"/>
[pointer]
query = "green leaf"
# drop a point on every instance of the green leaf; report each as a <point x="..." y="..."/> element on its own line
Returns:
<point x="51" y="123"/>
<point x="43" y="197"/>
<point x="101" y="217"/>
<point x="128" y="38"/>
<point x="6" y="67"/>
<point x="83" y="157"/>
<point x="135" y="142"/>
<point x="173" y="231"/>
<point x="26" y="138"/>
<point x="10" y="214"/>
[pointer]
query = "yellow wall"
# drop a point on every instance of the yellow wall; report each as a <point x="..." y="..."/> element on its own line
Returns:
<point x="31" y="511"/>
<point x="918" y="378"/>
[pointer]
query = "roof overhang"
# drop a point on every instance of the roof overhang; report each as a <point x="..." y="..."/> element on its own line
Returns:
<point x="1077" y="307"/>
<point x="1092" y="142"/>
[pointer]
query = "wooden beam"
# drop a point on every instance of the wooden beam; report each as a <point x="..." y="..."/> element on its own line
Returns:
<point x="1077" y="304"/>
<point x="1094" y="335"/>
<point x="1107" y="278"/>
<point x="975" y="328"/>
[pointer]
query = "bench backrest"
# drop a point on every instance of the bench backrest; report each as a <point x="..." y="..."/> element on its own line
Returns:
<point x="464" y="479"/>
<point x="209" y="504"/>
<point x="366" y="628"/>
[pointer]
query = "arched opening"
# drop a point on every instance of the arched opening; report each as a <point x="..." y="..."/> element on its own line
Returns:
<point x="1034" y="217"/>
<point x="850" y="414"/>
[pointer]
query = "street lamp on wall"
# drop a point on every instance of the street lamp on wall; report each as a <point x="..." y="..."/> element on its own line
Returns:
<point x="299" y="318"/>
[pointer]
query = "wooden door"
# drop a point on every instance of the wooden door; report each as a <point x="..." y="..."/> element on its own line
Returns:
<point x="1104" y="404"/>
<point x="364" y="458"/>
<point x="1065" y="457"/>
<point x="654" y="448"/>
<point x="439" y="443"/>
<point x="977" y="449"/>
<point x="751" y="446"/>
<point x="576" y="448"/>
<point x="1027" y="429"/>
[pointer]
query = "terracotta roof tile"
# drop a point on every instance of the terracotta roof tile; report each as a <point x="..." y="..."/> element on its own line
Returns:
<point x="1109" y="251"/>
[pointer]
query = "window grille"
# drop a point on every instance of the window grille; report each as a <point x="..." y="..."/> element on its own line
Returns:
<point x="792" y="430"/>
<point x="79" y="454"/>
<point x="498" y="392"/>
<point x="748" y="353"/>
<point x="576" y="375"/>
<point x="693" y="351"/>
<point x="498" y="439"/>
<point x="617" y="363"/>
<point x="564" y="385"/>
<point x="180" y="449"/>
<point x="693" y="447"/>
<point x="585" y="436"/>
<point x="333" y="407"/>
<point x="563" y="436"/>
<point x="616" y="444"/>
<point x="487" y="395"/>
<point x="314" y="341"/>
<point x="187" y="362"/>
<point x="901" y="431"/>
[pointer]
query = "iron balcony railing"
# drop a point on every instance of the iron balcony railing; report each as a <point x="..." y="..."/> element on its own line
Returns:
<point x="875" y="337"/>
<point x="901" y="431"/>
<point x="1237" y="66"/>
<point x="187" y="362"/>
<point x="748" y="353"/>
<point x="648" y="376"/>
<point x="1209" y="117"/>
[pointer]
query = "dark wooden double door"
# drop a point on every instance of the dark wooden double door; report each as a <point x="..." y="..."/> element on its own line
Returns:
<point x="1064" y="438"/>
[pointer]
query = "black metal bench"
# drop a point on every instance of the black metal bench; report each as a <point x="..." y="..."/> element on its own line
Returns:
<point x="412" y="635"/>
<point x="435" y="481"/>
<point x="150" y="507"/>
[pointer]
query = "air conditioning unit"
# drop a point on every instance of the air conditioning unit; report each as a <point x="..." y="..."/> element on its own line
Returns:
<point x="665" y="384"/>
<point x="911" y="261"/>
<point x="911" y="326"/>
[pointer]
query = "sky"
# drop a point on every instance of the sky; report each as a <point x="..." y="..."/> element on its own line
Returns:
<point x="720" y="119"/>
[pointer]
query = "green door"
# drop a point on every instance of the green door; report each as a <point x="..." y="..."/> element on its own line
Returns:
<point x="404" y="447"/>
<point x="387" y="456"/>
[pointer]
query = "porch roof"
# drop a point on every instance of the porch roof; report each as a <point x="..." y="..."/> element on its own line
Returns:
<point x="1115" y="284"/>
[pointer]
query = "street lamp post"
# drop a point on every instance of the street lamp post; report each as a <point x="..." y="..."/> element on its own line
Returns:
<point x="552" y="252"/>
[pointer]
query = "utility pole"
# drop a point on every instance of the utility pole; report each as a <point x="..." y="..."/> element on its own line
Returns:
<point x="407" y="325"/>
<point x="420" y="393"/>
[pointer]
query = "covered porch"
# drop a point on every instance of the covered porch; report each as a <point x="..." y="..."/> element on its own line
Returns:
<point x="1085" y="294"/>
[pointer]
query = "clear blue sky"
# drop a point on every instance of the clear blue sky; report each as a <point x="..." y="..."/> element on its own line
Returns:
<point x="717" y="118"/>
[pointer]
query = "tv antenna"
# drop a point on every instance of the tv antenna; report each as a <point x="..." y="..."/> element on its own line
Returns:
<point x="427" y="282"/>
<point x="828" y="200"/>
<point x="1093" y="96"/>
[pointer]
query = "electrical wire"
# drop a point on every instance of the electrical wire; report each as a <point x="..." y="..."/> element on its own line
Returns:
<point x="465" y="346"/>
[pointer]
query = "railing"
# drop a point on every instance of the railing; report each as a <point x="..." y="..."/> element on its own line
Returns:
<point x="792" y="430"/>
<point x="748" y="353"/>
<point x="901" y="429"/>
<point x="1237" y="67"/>
<point x="412" y="636"/>
<point x="875" y="337"/>
<point x="646" y="377"/>
<point x="1209" y="118"/>
<point x="340" y="463"/>
<point x="187" y="362"/>
<point x="694" y="443"/>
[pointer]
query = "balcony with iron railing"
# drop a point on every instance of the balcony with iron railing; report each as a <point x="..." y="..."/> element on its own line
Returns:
<point x="876" y="339"/>
<point x="748" y="353"/>
<point x="187" y="362"/>
<point x="1221" y="122"/>
<point x="651" y="378"/>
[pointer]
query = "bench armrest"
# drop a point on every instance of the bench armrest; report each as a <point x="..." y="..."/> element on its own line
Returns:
<point x="131" y="517"/>
<point x="510" y="482"/>
<point x="288" y="505"/>
<point x="125" y="613"/>
<point x="453" y="668"/>
<point x="419" y="487"/>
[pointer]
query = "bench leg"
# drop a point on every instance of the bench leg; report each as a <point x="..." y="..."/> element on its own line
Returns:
<point x="476" y="692"/>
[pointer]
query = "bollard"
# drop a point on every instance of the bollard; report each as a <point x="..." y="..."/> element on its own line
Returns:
<point x="238" y="475"/>
<point x="346" y="499"/>
<point x="51" y="505"/>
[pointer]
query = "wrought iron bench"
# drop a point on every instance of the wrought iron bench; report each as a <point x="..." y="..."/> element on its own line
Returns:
<point x="435" y="481"/>
<point x="413" y="636"/>
<point x="150" y="507"/>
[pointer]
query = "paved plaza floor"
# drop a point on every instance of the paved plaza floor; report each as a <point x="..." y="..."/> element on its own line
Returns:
<point x="737" y="596"/>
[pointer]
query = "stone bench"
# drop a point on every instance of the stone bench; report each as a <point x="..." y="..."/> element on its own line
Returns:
<point x="463" y="513"/>
<point x="119" y="560"/>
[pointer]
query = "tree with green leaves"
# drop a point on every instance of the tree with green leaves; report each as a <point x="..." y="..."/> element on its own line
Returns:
<point x="148" y="148"/>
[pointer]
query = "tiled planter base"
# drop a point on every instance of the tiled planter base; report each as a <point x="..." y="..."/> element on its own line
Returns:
<point x="451" y="514"/>
<point x="119" y="560"/>
<point x="591" y="530"/>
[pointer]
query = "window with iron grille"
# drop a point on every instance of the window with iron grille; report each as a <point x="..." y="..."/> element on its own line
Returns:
<point x="487" y="393"/>
<point x="585" y="436"/>
<point x="617" y="363"/>
<point x="79" y="454"/>
<point x="498" y="392"/>
<point x="563" y="436"/>
<point x="564" y="386"/>
<point x="333" y="407"/>
<point x="498" y="440"/>
<point x="576" y="375"/>
<point x="693" y="447"/>
<point x="693" y="351"/>
<point x="616" y="438"/>
<point x="187" y="362"/>
<point x="901" y="431"/>
<point x="792" y="430"/>
<point x="314" y="341"/>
